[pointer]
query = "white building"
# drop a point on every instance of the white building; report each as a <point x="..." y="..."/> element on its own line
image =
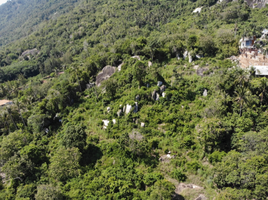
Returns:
<point x="247" y="42"/>
<point x="261" y="70"/>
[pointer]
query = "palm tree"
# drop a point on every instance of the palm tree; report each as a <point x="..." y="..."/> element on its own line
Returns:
<point x="264" y="84"/>
<point x="18" y="105"/>
<point x="76" y="71"/>
<point x="5" y="119"/>
<point x="243" y="96"/>
<point x="242" y="79"/>
<point x="9" y="113"/>
<point x="56" y="72"/>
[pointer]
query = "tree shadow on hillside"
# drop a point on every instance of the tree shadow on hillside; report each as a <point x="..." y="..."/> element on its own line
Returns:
<point x="91" y="155"/>
<point x="177" y="197"/>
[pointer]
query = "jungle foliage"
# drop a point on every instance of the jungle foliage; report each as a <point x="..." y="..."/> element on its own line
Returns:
<point x="212" y="115"/>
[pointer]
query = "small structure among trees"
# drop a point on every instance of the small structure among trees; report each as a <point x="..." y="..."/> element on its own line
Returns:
<point x="247" y="42"/>
<point x="253" y="53"/>
<point x="5" y="102"/>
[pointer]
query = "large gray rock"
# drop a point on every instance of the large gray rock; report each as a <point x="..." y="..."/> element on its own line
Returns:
<point x="157" y="97"/>
<point x="256" y="3"/>
<point x="105" y="74"/>
<point x="136" y="109"/>
<point x="119" y="113"/>
<point x="198" y="10"/>
<point x="30" y="52"/>
<point x="183" y="186"/>
<point x="162" y="88"/>
<point x="201" y="197"/>
<point x="154" y="95"/>
<point x="159" y="83"/>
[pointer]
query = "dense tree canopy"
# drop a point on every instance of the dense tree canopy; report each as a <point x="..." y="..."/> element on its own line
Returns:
<point x="159" y="120"/>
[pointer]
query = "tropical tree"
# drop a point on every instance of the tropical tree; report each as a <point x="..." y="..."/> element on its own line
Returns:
<point x="139" y="72"/>
<point x="65" y="164"/>
<point x="10" y="115"/>
<point x="242" y="97"/>
<point x="74" y="136"/>
<point x="263" y="86"/>
<point x="19" y="109"/>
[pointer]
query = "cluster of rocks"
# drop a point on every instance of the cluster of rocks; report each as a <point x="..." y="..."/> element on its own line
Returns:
<point x="125" y="109"/>
<point x="105" y="73"/>
<point x="156" y="95"/>
<point x="167" y="157"/>
<point x="183" y="186"/>
<point x="190" y="57"/>
<point x="135" y="107"/>
<point x="201" y="71"/>
<point x="106" y="123"/>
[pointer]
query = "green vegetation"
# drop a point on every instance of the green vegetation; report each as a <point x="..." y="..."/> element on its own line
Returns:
<point x="53" y="142"/>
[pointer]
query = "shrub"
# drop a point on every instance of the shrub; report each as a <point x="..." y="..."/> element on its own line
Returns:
<point x="216" y="156"/>
<point x="179" y="175"/>
<point x="193" y="166"/>
<point x="151" y="178"/>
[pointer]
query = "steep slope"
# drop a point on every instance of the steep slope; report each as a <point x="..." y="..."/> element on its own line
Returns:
<point x="173" y="110"/>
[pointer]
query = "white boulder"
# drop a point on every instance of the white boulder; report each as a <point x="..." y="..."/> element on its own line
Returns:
<point x="120" y="67"/>
<point x="128" y="108"/>
<point x="136" y="57"/>
<point x="197" y="10"/>
<point x="106" y="123"/>
<point x="185" y="54"/>
<point x="205" y="93"/>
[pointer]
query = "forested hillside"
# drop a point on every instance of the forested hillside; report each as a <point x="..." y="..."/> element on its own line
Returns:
<point x="19" y="18"/>
<point x="175" y="112"/>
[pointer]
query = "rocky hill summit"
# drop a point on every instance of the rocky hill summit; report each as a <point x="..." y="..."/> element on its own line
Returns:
<point x="257" y="3"/>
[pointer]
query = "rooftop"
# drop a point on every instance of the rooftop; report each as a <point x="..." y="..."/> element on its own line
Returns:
<point x="5" y="102"/>
<point x="261" y="70"/>
<point x="246" y="39"/>
<point x="265" y="31"/>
